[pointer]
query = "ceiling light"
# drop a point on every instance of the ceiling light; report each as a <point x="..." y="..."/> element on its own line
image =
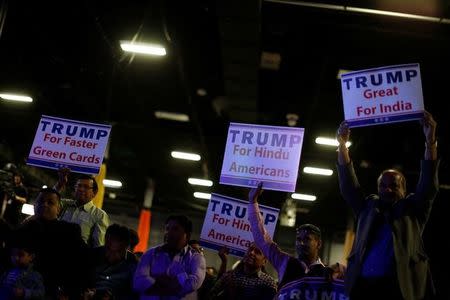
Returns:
<point x="318" y="171"/>
<point x="44" y="186"/>
<point x="141" y="48"/>
<point x="14" y="97"/>
<point x="202" y="92"/>
<point x="185" y="155"/>
<point x="112" y="183"/>
<point x="329" y="142"/>
<point x="200" y="195"/>
<point x="28" y="209"/>
<point x="303" y="197"/>
<point x="202" y="182"/>
<point x="172" y="116"/>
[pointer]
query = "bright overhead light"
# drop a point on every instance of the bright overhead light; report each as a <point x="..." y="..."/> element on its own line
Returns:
<point x="202" y="182"/>
<point x="318" y="171"/>
<point x="171" y="116"/>
<point x="141" y="48"/>
<point x="14" y="97"/>
<point x="200" y="195"/>
<point x="303" y="197"/>
<point x="44" y="186"/>
<point x="28" y="209"/>
<point x="330" y="142"/>
<point x="185" y="155"/>
<point x="112" y="183"/>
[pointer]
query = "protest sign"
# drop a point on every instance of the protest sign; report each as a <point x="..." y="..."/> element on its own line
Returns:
<point x="318" y="288"/>
<point x="77" y="145"/>
<point x="255" y="153"/>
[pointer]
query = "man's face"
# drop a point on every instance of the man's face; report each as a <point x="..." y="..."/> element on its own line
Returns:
<point x="197" y="248"/>
<point x="307" y="245"/>
<point x="47" y="206"/>
<point x="17" y="180"/>
<point x="254" y="258"/>
<point x="175" y="235"/>
<point x="84" y="190"/>
<point x="21" y="258"/>
<point x="115" y="250"/>
<point x="391" y="187"/>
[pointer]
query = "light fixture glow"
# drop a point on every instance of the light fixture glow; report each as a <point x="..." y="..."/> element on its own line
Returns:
<point x="305" y="197"/>
<point x="171" y="116"/>
<point x="141" y="48"/>
<point x="18" y="98"/>
<point x="318" y="171"/>
<point x="44" y="186"/>
<point x="185" y="155"/>
<point x="28" y="209"/>
<point x="200" y="195"/>
<point x="330" y="142"/>
<point x="202" y="182"/>
<point x="363" y="10"/>
<point x="112" y="183"/>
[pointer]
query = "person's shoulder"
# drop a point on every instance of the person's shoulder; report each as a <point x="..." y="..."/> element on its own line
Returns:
<point x="266" y="277"/>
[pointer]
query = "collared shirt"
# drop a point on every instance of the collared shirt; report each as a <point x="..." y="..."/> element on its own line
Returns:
<point x="156" y="262"/>
<point x="278" y="258"/>
<point x="236" y="284"/>
<point x="92" y="220"/>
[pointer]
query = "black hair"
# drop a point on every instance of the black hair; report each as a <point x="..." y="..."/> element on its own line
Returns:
<point x="310" y="228"/>
<point x="119" y="232"/>
<point x="48" y="190"/>
<point x="191" y="242"/>
<point x="183" y="221"/>
<point x="134" y="238"/>
<point x="89" y="177"/>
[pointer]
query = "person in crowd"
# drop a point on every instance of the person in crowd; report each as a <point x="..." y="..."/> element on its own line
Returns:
<point x="308" y="244"/>
<point x="173" y="270"/>
<point x="13" y="211"/>
<point x="82" y="211"/>
<point x="114" y="265"/>
<point x="60" y="249"/>
<point x="21" y="281"/>
<point x="134" y="239"/>
<point x="247" y="281"/>
<point x="388" y="259"/>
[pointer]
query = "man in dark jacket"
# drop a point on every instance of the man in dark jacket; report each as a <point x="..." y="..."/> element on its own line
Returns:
<point x="387" y="260"/>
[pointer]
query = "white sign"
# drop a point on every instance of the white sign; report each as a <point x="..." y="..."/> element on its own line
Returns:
<point x="77" y="145"/>
<point x="255" y="153"/>
<point x="226" y="224"/>
<point x="382" y="95"/>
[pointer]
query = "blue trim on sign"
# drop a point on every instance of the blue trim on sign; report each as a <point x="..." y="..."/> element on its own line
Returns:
<point x="379" y="69"/>
<point x="385" y="120"/>
<point x="276" y="186"/>
<point x="76" y="122"/>
<point x="243" y="202"/>
<point x="57" y="165"/>
<point x="213" y="246"/>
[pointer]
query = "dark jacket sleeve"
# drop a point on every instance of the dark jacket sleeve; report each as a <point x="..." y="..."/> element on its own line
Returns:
<point x="426" y="190"/>
<point x="350" y="189"/>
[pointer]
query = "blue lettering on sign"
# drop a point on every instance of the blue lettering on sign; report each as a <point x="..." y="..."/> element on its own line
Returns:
<point x="264" y="138"/>
<point x="389" y="77"/>
<point x="72" y="130"/>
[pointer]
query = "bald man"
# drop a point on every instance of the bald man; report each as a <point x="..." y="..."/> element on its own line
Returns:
<point x="388" y="260"/>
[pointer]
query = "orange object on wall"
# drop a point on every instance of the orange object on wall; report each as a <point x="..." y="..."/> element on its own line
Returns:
<point x="143" y="230"/>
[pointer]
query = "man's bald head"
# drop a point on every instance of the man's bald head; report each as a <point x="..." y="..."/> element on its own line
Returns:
<point x="391" y="185"/>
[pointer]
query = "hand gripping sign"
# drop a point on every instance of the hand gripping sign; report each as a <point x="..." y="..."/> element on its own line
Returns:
<point x="382" y="95"/>
<point x="226" y="224"/>
<point x="77" y="145"/>
<point x="258" y="153"/>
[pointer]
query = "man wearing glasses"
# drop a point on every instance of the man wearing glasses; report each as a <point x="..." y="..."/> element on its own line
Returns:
<point x="82" y="211"/>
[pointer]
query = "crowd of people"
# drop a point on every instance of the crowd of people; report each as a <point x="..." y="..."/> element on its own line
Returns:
<point x="68" y="249"/>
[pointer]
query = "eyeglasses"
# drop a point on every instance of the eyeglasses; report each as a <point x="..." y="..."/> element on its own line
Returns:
<point x="83" y="186"/>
